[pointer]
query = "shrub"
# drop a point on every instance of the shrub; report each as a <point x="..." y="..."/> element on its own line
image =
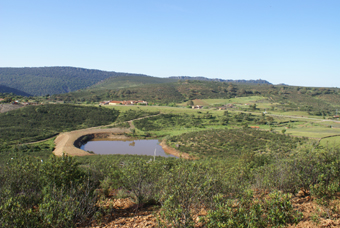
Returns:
<point x="275" y="210"/>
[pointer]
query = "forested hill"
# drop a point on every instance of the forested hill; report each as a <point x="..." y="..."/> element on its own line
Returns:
<point x="53" y="80"/>
<point x="39" y="81"/>
<point x="6" y="89"/>
<point x="57" y="80"/>
<point x="258" y="81"/>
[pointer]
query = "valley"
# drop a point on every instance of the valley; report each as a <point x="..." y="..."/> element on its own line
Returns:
<point x="241" y="150"/>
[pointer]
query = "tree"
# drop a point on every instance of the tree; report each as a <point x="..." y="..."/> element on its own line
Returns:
<point x="190" y="103"/>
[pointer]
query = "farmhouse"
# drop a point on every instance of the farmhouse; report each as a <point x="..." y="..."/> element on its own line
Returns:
<point x="104" y="102"/>
<point x="142" y="102"/>
<point x="197" y="107"/>
<point x="255" y="127"/>
<point x="115" y="102"/>
<point x="1" y="99"/>
<point x="129" y="102"/>
<point x="132" y="102"/>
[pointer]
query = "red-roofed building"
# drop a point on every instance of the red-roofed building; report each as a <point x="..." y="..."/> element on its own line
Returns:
<point x="115" y="102"/>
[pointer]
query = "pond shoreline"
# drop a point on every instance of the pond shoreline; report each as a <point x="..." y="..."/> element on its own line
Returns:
<point x="70" y="142"/>
<point x="169" y="150"/>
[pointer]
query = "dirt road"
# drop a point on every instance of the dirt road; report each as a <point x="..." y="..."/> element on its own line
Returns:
<point x="64" y="143"/>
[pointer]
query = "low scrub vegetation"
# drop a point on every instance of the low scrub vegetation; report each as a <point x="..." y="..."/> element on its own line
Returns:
<point x="34" y="123"/>
<point x="228" y="142"/>
<point x="61" y="192"/>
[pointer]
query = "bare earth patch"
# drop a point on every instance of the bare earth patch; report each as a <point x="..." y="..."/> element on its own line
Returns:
<point x="169" y="150"/>
<point x="9" y="107"/>
<point x="65" y="142"/>
<point x="126" y="215"/>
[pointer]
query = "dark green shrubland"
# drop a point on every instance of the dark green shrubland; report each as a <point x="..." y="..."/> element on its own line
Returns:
<point x="34" y="123"/>
<point x="51" y="193"/>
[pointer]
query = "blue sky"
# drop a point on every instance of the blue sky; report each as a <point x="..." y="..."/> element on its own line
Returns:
<point x="282" y="41"/>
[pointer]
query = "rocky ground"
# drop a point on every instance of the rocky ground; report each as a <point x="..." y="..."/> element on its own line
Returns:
<point x="9" y="107"/>
<point x="125" y="214"/>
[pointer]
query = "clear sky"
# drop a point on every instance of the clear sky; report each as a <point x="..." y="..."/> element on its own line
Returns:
<point x="282" y="41"/>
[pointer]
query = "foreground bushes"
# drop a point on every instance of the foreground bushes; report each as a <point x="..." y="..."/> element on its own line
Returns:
<point x="60" y="192"/>
<point x="53" y="193"/>
<point x="274" y="210"/>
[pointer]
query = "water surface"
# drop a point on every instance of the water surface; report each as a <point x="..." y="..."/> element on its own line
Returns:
<point x="136" y="147"/>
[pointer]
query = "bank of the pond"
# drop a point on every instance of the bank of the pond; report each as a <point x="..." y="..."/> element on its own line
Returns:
<point x="169" y="150"/>
<point x="70" y="142"/>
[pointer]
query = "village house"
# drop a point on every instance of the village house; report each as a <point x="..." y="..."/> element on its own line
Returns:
<point x="1" y="99"/>
<point x="142" y="102"/>
<point x="197" y="107"/>
<point x="132" y="102"/>
<point x="129" y="102"/>
<point x="104" y="102"/>
<point x="115" y="102"/>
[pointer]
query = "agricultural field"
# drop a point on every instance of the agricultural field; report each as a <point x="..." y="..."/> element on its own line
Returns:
<point x="330" y="142"/>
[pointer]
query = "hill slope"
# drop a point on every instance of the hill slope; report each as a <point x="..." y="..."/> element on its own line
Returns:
<point x="127" y="81"/>
<point x="258" y="81"/>
<point x="57" y="80"/>
<point x="6" y="89"/>
<point x="53" y="80"/>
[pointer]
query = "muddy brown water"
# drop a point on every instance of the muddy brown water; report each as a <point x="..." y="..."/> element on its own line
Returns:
<point x="135" y="147"/>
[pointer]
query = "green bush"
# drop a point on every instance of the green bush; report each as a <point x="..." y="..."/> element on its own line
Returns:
<point x="275" y="210"/>
<point x="52" y="193"/>
<point x="187" y="186"/>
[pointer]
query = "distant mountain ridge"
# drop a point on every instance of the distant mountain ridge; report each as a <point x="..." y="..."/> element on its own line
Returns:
<point x="39" y="81"/>
<point x="53" y="80"/>
<point x="200" y="78"/>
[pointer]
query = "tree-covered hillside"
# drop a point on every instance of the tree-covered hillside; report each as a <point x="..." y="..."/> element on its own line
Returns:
<point x="6" y="89"/>
<point x="56" y="80"/>
<point x="129" y="81"/>
<point x="53" y="80"/>
<point x="178" y="91"/>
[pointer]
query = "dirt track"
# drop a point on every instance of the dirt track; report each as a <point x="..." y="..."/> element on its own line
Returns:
<point x="65" y="141"/>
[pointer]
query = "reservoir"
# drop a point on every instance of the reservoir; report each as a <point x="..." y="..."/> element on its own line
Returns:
<point x="136" y="147"/>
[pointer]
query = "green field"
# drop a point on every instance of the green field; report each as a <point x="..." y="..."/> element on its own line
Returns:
<point x="330" y="142"/>
<point x="238" y="100"/>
